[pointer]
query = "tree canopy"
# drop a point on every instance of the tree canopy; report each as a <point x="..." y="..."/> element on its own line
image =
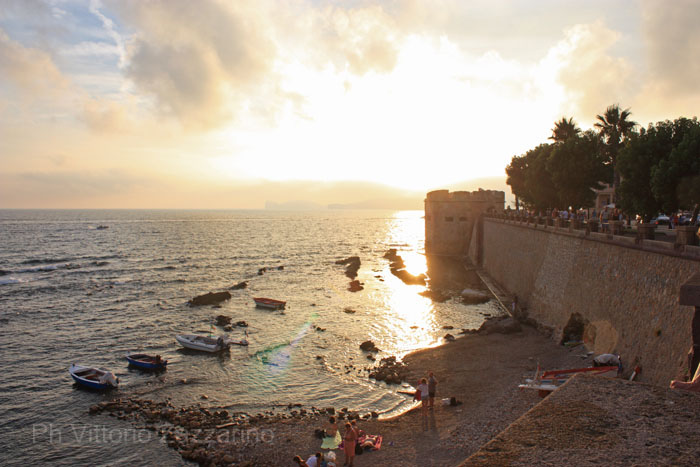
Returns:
<point x="656" y="169"/>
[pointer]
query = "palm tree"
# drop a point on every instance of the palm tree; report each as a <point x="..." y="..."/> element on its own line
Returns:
<point x="564" y="129"/>
<point x="614" y="126"/>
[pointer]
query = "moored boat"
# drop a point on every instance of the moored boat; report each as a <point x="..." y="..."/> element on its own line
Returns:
<point x="93" y="378"/>
<point x="206" y="343"/>
<point x="269" y="303"/>
<point x="146" y="362"/>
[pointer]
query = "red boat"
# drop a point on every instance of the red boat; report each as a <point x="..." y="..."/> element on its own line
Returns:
<point x="269" y="303"/>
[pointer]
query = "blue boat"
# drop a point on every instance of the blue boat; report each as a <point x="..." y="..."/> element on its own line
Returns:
<point x="93" y="378"/>
<point x="146" y="362"/>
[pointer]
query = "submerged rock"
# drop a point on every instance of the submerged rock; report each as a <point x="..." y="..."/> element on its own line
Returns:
<point x="355" y="286"/>
<point x="240" y="285"/>
<point x="210" y="298"/>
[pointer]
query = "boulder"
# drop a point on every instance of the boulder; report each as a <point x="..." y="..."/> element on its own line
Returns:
<point x="355" y="286"/>
<point x="500" y="325"/>
<point x="240" y="285"/>
<point x="210" y="298"/>
<point x="449" y="337"/>
<point x="241" y="324"/>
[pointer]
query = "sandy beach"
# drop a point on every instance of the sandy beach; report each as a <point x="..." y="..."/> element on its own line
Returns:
<point x="481" y="371"/>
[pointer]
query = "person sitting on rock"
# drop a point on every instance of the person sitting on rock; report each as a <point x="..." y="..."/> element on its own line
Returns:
<point x="693" y="385"/>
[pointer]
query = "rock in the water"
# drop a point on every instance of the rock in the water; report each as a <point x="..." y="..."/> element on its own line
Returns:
<point x="349" y="311"/>
<point x="474" y="297"/>
<point x="223" y="320"/>
<point x="240" y="285"/>
<point x="352" y="265"/>
<point x="449" y="337"/>
<point x="280" y="268"/>
<point x="409" y="278"/>
<point x="355" y="286"/>
<point x="391" y="255"/>
<point x="369" y="346"/>
<point x="210" y="298"/>
<point x="435" y="295"/>
<point x="241" y="324"/>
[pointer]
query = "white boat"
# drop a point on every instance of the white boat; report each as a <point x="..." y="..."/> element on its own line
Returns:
<point x="207" y="343"/>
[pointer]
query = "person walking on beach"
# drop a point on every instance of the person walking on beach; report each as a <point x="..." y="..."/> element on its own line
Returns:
<point x="349" y="441"/>
<point x="424" y="394"/>
<point x="432" y="386"/>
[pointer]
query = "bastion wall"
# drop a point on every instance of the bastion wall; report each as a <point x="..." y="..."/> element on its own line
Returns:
<point x="450" y="218"/>
<point x="628" y="296"/>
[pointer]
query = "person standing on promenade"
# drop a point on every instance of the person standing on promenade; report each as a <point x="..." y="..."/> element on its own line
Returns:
<point x="432" y="386"/>
<point x="349" y="441"/>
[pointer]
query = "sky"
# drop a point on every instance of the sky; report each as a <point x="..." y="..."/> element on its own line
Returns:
<point x="229" y="104"/>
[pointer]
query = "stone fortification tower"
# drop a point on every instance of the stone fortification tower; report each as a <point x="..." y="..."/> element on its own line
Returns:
<point x="450" y="218"/>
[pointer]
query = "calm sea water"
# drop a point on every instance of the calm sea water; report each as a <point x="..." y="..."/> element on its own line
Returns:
<point x="70" y="292"/>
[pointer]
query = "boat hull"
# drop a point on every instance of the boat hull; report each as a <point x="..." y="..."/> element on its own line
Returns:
<point x="75" y="372"/>
<point x="139" y="362"/>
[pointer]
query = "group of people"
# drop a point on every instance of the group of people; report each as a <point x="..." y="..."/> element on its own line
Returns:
<point x="332" y="439"/>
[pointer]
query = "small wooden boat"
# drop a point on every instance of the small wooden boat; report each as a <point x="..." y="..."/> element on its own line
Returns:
<point x="206" y="343"/>
<point x="93" y="378"/>
<point x="146" y="362"/>
<point x="269" y="303"/>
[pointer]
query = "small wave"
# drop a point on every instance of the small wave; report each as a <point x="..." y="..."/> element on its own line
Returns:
<point x="10" y="280"/>
<point x="48" y="260"/>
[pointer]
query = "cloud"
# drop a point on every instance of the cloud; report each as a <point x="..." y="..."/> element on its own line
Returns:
<point x="359" y="39"/>
<point x="198" y="60"/>
<point x="28" y="70"/>
<point x="592" y="78"/>
<point x="672" y="38"/>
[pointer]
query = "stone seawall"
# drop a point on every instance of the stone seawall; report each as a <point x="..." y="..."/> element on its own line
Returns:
<point x="628" y="297"/>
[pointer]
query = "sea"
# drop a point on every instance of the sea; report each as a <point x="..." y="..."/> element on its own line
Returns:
<point x="88" y="286"/>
